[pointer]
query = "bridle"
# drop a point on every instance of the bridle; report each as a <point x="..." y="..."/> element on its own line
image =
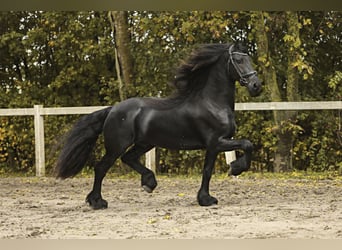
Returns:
<point x="243" y="76"/>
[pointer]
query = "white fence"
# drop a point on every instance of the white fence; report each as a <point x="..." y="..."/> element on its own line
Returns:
<point x="38" y="111"/>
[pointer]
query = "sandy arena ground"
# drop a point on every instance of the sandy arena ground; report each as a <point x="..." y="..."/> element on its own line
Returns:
<point x="249" y="208"/>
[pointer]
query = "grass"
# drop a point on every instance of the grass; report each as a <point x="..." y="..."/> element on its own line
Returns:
<point x="306" y="175"/>
<point x="302" y="175"/>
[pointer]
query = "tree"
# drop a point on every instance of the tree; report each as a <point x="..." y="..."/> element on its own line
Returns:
<point x="68" y="59"/>
<point x="282" y="83"/>
<point x="267" y="68"/>
<point x="49" y="58"/>
<point x="124" y="60"/>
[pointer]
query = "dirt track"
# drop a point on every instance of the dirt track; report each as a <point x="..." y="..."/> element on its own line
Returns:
<point x="48" y="208"/>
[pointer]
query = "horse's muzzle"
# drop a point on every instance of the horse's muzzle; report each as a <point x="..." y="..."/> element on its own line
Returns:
<point x="254" y="86"/>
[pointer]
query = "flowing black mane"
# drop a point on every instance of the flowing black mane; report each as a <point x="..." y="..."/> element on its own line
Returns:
<point x="191" y="68"/>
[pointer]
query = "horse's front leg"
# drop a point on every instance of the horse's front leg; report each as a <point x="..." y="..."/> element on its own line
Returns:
<point x="203" y="196"/>
<point x="243" y="163"/>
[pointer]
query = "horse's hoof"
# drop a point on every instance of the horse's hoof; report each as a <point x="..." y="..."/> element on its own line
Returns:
<point x="96" y="202"/>
<point x="236" y="168"/>
<point x="147" y="189"/>
<point x="234" y="172"/>
<point x="100" y="204"/>
<point x="207" y="201"/>
<point x="148" y="182"/>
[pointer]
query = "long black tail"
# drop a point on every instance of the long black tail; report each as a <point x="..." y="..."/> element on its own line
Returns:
<point x="80" y="143"/>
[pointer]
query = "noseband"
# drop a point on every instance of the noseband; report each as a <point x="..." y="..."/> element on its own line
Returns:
<point x="243" y="76"/>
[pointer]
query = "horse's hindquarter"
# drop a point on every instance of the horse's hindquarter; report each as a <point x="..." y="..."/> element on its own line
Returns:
<point x="119" y="127"/>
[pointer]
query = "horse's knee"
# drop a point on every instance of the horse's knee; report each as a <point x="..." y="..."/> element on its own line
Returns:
<point x="248" y="146"/>
<point x="128" y="158"/>
<point x="125" y="159"/>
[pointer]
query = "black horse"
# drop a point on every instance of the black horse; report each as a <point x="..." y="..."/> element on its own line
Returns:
<point x="200" y="115"/>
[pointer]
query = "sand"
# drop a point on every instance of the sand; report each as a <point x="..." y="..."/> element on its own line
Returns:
<point x="248" y="208"/>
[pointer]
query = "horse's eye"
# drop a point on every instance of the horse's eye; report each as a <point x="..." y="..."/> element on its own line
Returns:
<point x="239" y="60"/>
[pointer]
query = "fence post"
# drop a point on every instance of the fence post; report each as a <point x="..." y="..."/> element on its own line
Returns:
<point x="151" y="160"/>
<point x="230" y="156"/>
<point x="39" y="140"/>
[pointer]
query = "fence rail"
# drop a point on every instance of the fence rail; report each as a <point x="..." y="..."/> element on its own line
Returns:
<point x="38" y="111"/>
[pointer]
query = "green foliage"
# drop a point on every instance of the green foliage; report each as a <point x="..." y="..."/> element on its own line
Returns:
<point x="15" y="134"/>
<point x="335" y="83"/>
<point x="54" y="59"/>
<point x="318" y="146"/>
<point x="67" y="59"/>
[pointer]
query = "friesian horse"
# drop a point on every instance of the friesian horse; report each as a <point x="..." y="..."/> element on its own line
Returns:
<point x="199" y="115"/>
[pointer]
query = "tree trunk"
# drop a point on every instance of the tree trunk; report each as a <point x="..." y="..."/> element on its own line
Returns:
<point x="282" y="158"/>
<point x="293" y="54"/>
<point x="124" y="60"/>
<point x="264" y="59"/>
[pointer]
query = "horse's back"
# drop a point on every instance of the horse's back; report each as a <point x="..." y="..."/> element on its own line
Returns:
<point x="169" y="124"/>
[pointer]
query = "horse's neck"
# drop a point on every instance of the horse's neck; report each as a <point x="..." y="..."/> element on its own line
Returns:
<point x="220" y="90"/>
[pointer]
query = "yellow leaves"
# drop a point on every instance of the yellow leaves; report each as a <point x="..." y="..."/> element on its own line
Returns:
<point x="297" y="43"/>
<point x="216" y="34"/>
<point x="306" y="21"/>
<point x="236" y="16"/>
<point x="186" y="27"/>
<point x="310" y="70"/>
<point x="288" y="38"/>
<point x="264" y="60"/>
<point x="2" y="132"/>
<point x="304" y="68"/>
<point x="167" y="216"/>
<point x="51" y="44"/>
<point x="294" y="41"/>
<point x="3" y="153"/>
<point x="330" y="25"/>
<point x="299" y="25"/>
<point x="152" y="221"/>
<point x="190" y="38"/>
<point x="304" y="53"/>
<point x="335" y="80"/>
<point x="300" y="65"/>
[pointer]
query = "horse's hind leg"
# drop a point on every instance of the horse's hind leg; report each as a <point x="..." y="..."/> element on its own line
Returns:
<point x="94" y="198"/>
<point x="132" y="157"/>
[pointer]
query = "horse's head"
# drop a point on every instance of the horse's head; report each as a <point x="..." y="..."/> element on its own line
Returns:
<point x="243" y="70"/>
